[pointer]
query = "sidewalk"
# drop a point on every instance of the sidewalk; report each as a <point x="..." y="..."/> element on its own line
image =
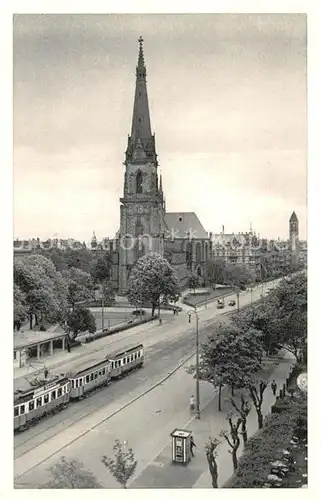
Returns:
<point x="161" y="473"/>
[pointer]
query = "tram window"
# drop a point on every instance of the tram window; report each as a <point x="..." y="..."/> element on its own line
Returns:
<point x="59" y="392"/>
<point x="31" y="405"/>
<point x="128" y="359"/>
<point x="99" y="373"/>
<point x="72" y="384"/>
<point x="96" y="375"/>
<point x="135" y="355"/>
<point x="103" y="371"/>
<point x="87" y="379"/>
<point x="80" y="382"/>
<point x="76" y="383"/>
<point x="46" y="398"/>
<point x="91" y="376"/>
<point x="132" y="357"/>
<point x="138" y="354"/>
<point x="15" y="411"/>
<point x="53" y="395"/>
<point x="39" y="402"/>
<point x="22" y="409"/>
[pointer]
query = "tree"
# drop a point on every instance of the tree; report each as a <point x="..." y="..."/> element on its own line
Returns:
<point x="211" y="454"/>
<point x="80" y="320"/>
<point x="233" y="439"/>
<point x="243" y="410"/>
<point x="67" y="474"/>
<point x="123" y="466"/>
<point x="193" y="282"/>
<point x="238" y="274"/>
<point x="229" y="357"/>
<point x="256" y="392"/>
<point x="35" y="277"/>
<point x="100" y="268"/>
<point x="282" y="318"/>
<point x="216" y="271"/>
<point x="80" y="286"/>
<point x="151" y="279"/>
<point x="19" y="307"/>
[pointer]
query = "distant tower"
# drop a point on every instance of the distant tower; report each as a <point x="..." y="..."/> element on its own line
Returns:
<point x="94" y="241"/>
<point x="294" y="232"/>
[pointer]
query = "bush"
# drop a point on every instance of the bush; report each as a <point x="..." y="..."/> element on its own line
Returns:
<point x="267" y="445"/>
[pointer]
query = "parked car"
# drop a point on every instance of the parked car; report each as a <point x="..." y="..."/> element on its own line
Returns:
<point x="138" y="312"/>
<point x="232" y="303"/>
<point x="220" y="305"/>
<point x="242" y="287"/>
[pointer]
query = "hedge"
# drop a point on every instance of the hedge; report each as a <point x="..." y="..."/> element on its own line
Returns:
<point x="266" y="445"/>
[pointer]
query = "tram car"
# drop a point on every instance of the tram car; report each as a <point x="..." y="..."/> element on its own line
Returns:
<point x="48" y="395"/>
<point x="39" y="397"/>
<point x="125" y="361"/>
<point x="87" y="376"/>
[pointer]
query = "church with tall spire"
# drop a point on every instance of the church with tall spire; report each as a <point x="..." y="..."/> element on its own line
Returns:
<point x="145" y="226"/>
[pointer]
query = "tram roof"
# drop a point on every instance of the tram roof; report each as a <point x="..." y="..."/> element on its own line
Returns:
<point x="124" y="351"/>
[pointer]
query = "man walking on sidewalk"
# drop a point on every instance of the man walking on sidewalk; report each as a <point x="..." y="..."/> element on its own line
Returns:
<point x="274" y="387"/>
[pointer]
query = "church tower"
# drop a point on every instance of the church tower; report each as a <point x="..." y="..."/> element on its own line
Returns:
<point x="294" y="232"/>
<point x="142" y="208"/>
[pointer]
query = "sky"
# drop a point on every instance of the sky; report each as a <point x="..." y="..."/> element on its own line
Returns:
<point x="227" y="97"/>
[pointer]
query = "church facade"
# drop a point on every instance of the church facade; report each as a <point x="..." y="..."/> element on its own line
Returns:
<point x="145" y="226"/>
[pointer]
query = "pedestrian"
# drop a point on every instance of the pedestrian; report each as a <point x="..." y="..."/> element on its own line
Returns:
<point x="46" y="371"/>
<point x="193" y="445"/>
<point x="274" y="387"/>
<point x="160" y="321"/>
<point x="192" y="403"/>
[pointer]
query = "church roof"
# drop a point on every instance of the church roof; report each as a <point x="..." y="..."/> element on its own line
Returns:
<point x="293" y="217"/>
<point x="181" y="224"/>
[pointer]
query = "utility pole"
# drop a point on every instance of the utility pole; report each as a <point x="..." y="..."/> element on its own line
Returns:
<point x="141" y="305"/>
<point x="198" y="414"/>
<point x="102" y="312"/>
<point x="238" y="300"/>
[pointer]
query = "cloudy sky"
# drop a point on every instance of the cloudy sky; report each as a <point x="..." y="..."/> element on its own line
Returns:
<point x="227" y="98"/>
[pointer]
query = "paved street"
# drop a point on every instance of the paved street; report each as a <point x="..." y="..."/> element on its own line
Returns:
<point x="146" y="423"/>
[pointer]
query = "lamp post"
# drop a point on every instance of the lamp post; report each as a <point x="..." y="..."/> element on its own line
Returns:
<point x="198" y="416"/>
<point x="102" y="313"/>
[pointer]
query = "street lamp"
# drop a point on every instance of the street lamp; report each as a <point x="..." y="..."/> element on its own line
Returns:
<point x="197" y="364"/>
<point x="102" y="313"/>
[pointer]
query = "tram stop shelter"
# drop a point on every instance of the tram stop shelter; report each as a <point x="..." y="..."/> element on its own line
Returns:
<point x="181" y="446"/>
<point x="36" y="344"/>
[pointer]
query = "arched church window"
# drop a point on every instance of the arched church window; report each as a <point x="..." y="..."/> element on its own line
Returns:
<point x="206" y="252"/>
<point x="198" y="252"/>
<point x="189" y="255"/>
<point x="139" y="182"/>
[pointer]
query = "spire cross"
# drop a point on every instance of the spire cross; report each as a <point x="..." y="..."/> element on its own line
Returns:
<point x="140" y="41"/>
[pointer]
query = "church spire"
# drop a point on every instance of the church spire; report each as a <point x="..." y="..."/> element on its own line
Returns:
<point x="141" y="68"/>
<point x="141" y="136"/>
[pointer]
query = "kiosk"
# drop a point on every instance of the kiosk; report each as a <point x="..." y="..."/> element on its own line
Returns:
<point x="181" y="446"/>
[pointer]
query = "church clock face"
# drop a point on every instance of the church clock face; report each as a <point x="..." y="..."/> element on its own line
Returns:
<point x="139" y="209"/>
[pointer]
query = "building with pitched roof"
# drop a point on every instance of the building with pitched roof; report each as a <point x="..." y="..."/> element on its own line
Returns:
<point x="145" y="226"/>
